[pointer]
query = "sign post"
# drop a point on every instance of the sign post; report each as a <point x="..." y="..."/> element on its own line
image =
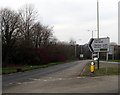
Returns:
<point x="97" y="45"/>
<point x="81" y="56"/>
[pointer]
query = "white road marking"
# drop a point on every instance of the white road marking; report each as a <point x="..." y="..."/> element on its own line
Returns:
<point x="80" y="77"/>
<point x="35" y="79"/>
<point x="10" y="83"/>
<point x="60" y="79"/>
<point x="18" y="83"/>
<point x="44" y="80"/>
<point x="94" y="77"/>
<point x="27" y="82"/>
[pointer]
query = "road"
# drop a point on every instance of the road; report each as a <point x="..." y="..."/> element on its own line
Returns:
<point x="63" y="78"/>
<point x="28" y="75"/>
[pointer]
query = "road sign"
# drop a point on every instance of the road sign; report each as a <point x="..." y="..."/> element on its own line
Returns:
<point x="111" y="49"/>
<point x="81" y="55"/>
<point x="99" y="44"/>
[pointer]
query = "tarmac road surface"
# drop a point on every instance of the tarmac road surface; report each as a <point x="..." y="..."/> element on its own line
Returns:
<point x="63" y="78"/>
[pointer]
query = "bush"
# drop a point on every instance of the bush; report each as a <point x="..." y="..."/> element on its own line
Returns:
<point x="40" y="56"/>
<point x="23" y="56"/>
<point x="44" y="56"/>
<point x="36" y="56"/>
<point x="60" y="58"/>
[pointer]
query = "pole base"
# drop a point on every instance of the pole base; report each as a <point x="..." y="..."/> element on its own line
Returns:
<point x="92" y="74"/>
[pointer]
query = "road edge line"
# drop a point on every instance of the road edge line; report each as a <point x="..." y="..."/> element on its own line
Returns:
<point x="84" y="68"/>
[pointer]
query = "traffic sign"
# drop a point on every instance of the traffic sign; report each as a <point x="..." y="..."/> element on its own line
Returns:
<point x="81" y="55"/>
<point x="99" y="44"/>
<point x="111" y="49"/>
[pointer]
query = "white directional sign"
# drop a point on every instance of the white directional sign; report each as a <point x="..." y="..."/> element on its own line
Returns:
<point x="99" y="44"/>
<point x="111" y="49"/>
<point x="81" y="55"/>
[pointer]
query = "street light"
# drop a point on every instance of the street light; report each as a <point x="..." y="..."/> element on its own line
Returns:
<point x="92" y="37"/>
<point x="76" y="47"/>
<point x="92" y="32"/>
<point x="97" y="18"/>
<point x="98" y="28"/>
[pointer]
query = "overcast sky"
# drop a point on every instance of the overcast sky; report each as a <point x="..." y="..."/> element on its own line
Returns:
<point x="73" y="18"/>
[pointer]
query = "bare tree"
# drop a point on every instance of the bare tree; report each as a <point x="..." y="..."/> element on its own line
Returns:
<point x="28" y="18"/>
<point x="41" y="35"/>
<point x="9" y="26"/>
<point x="54" y="40"/>
<point x="46" y="36"/>
<point x="36" y="34"/>
<point x="21" y="31"/>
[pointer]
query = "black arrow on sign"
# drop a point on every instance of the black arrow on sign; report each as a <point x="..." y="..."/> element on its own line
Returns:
<point x="90" y="43"/>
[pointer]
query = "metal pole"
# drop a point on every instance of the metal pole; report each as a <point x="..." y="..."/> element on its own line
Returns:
<point x="107" y="56"/>
<point x="81" y="49"/>
<point x="92" y="37"/>
<point x="75" y="48"/>
<point x="92" y="34"/>
<point x="106" y="62"/>
<point x="98" y="66"/>
<point x="97" y="19"/>
<point x="98" y="26"/>
<point x="92" y="52"/>
<point x="113" y="54"/>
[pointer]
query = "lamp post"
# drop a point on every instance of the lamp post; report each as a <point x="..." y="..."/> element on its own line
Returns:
<point x="92" y="32"/>
<point x="98" y="27"/>
<point x="76" y="48"/>
<point x="97" y="18"/>
<point x="92" y="37"/>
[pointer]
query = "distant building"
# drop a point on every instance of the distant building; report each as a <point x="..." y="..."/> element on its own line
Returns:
<point x="119" y="22"/>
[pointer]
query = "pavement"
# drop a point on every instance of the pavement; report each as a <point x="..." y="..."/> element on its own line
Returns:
<point x="64" y="78"/>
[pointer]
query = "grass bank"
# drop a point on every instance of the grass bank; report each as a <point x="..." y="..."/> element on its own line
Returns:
<point x="9" y="70"/>
<point x="14" y="69"/>
<point x="105" y="69"/>
<point x="112" y="60"/>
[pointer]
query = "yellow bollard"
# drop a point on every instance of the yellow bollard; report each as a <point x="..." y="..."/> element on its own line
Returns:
<point x="92" y="67"/>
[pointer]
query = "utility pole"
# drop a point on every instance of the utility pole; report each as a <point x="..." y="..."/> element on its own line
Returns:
<point x="92" y="32"/>
<point x="97" y="19"/>
<point x="92" y="37"/>
<point x="98" y="27"/>
<point x="75" y="50"/>
<point x="76" y="47"/>
<point x="81" y="49"/>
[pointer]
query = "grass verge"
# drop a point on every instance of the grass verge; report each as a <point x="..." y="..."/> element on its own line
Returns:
<point x="26" y="68"/>
<point x="112" y="60"/>
<point x="112" y="69"/>
<point x="39" y="66"/>
<point x="9" y="70"/>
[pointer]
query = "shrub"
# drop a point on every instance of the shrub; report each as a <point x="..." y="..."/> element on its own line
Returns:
<point x="36" y="56"/>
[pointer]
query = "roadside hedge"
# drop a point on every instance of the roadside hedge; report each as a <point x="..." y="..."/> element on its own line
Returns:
<point x="36" y="56"/>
